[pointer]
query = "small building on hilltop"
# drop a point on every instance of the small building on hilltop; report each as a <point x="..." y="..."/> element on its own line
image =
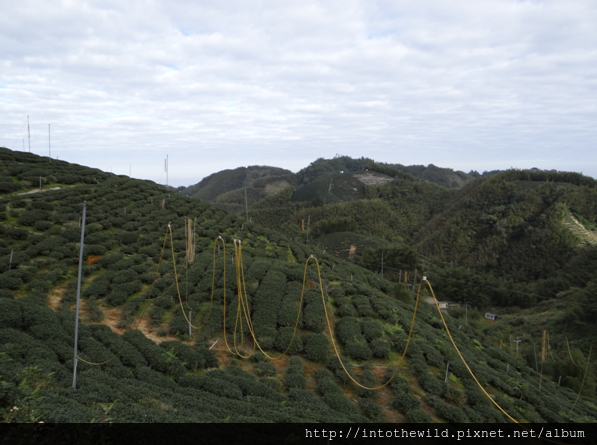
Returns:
<point x="491" y="316"/>
<point x="443" y="305"/>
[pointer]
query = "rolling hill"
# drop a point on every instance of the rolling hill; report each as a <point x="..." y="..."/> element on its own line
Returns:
<point x="141" y="286"/>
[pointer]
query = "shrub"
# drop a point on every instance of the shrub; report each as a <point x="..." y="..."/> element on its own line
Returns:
<point x="127" y="238"/>
<point x="358" y="351"/>
<point x="418" y="416"/>
<point x="316" y="347"/>
<point x="348" y="330"/>
<point x="372" y="410"/>
<point x="380" y="348"/>
<point x="451" y="413"/>
<point x="314" y="317"/>
<point x="42" y="225"/>
<point x="10" y="280"/>
<point x="334" y="365"/>
<point x="405" y="402"/>
<point x="431" y="384"/>
<point x="338" y="402"/>
<point x="283" y="340"/>
<point x="266" y="305"/>
<point x="30" y="217"/>
<point x="266" y="369"/>
<point x="97" y="289"/>
<point x="371" y="329"/>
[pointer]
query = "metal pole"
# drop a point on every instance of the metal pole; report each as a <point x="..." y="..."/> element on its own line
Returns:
<point x="308" y="221"/>
<point x="78" y="297"/>
<point x="246" y="204"/>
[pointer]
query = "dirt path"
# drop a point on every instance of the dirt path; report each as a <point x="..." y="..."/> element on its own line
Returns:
<point x="579" y="229"/>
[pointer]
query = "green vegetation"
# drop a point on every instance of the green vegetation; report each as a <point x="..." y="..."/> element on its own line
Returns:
<point x="131" y="307"/>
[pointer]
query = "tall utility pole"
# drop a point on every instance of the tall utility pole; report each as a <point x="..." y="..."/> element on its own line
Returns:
<point x="166" y="167"/>
<point x="79" y="296"/>
<point x="29" y="133"/>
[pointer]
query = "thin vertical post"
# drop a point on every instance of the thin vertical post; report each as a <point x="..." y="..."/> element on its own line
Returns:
<point x="10" y="261"/>
<point x="246" y="204"/>
<point x="308" y="221"/>
<point x="190" y="321"/>
<point x="447" y="372"/>
<point x="79" y="297"/>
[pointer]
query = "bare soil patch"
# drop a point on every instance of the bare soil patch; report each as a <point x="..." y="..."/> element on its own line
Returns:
<point x="369" y="179"/>
<point x="55" y="296"/>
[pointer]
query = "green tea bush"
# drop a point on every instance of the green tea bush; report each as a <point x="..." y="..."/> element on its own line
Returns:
<point x="16" y="233"/>
<point x="338" y="402"/>
<point x="418" y="416"/>
<point x="380" y="348"/>
<point x="371" y="329"/>
<point x="348" y="330"/>
<point x="157" y="313"/>
<point x="431" y="384"/>
<point x="316" y="347"/>
<point x="334" y="365"/>
<point x="405" y="402"/>
<point x="358" y="351"/>
<point x="283" y="340"/>
<point x="10" y="280"/>
<point x="30" y="217"/>
<point x="266" y="369"/>
<point x="266" y="305"/>
<point x="42" y="226"/>
<point x="98" y="288"/>
<point x="314" y="317"/>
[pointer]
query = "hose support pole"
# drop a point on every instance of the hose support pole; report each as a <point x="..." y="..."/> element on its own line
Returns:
<point x="79" y="296"/>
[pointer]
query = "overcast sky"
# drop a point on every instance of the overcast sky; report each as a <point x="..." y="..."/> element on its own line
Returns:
<point x="465" y="84"/>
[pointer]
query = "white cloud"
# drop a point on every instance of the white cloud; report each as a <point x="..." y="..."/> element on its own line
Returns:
<point x="464" y="84"/>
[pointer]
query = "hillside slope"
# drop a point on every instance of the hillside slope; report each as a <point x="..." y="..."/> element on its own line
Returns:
<point x="133" y="270"/>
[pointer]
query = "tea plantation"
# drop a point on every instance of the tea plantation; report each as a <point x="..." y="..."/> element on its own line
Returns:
<point x="134" y="291"/>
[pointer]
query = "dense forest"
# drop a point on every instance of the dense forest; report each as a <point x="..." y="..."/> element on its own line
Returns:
<point x="155" y="260"/>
